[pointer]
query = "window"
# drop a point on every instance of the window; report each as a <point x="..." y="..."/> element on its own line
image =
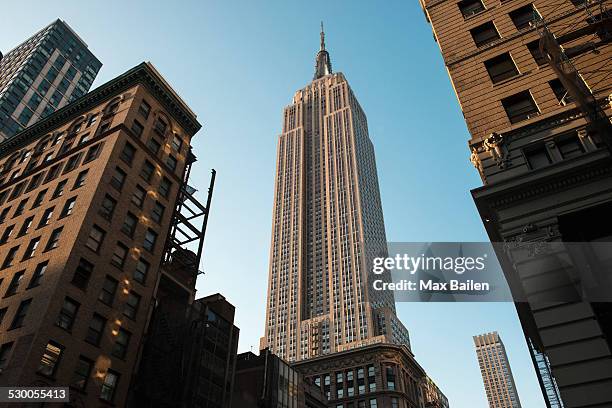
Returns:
<point x="139" y="196"/>
<point x="85" y="138"/>
<point x="144" y="109"/>
<point x="147" y="171"/>
<point x="14" y="285"/>
<point x="122" y="341"/>
<point x="107" y="294"/>
<point x="80" y="180"/>
<point x="48" y="157"/>
<point x="390" y="378"/>
<point x="50" y="359"/>
<point x="67" y="314"/>
<point x="35" y="182"/>
<point x="39" y="272"/>
<point x="137" y="128"/>
<point x="39" y="198"/>
<point x="484" y="34"/>
<point x="128" y="153"/>
<point x="108" y="207"/>
<point x="20" y="207"/>
<point x="141" y="271"/>
<point x="95" y="239"/>
<point x="82" y="274"/>
<point x="68" y="207"/>
<point x="177" y="143"/>
<point x="3" y="214"/>
<point x="569" y="146"/>
<point x="25" y="227"/>
<point x="95" y="329"/>
<point x="149" y="241"/>
<point x="31" y="249"/>
<point x="53" y="173"/>
<point x="5" y="351"/>
<point x="524" y="17"/>
<point x="8" y="231"/>
<point x="470" y="7"/>
<point x="59" y="190"/>
<point x="81" y="373"/>
<point x="165" y="186"/>
<point x="46" y="217"/>
<point x="118" y="179"/>
<point x="171" y="162"/>
<point x="559" y="91"/>
<point x="119" y="255"/>
<point x="92" y="120"/>
<point x="161" y="126"/>
<point x="373" y="403"/>
<point x="520" y="107"/>
<point x="10" y="257"/>
<point x="131" y="305"/>
<point x="54" y="239"/>
<point x="157" y="212"/>
<point x="129" y="224"/>
<point x="72" y="163"/>
<point x="394" y="402"/>
<point x="153" y="145"/>
<point x="20" y="314"/>
<point x="537" y="156"/>
<point x="17" y="191"/>
<point x="93" y="152"/>
<point x="501" y="67"/>
<point x="109" y="386"/>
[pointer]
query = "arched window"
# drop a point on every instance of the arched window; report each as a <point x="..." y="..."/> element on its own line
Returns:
<point x="112" y="107"/>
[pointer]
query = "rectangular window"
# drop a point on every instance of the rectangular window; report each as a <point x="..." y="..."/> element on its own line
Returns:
<point x="137" y="128"/>
<point x="119" y="255"/>
<point x="8" y="231"/>
<point x="484" y="34"/>
<point x="95" y="329"/>
<point x="67" y="314"/>
<point x="93" y="152"/>
<point x="72" y="163"/>
<point x="154" y="145"/>
<point x="21" y="314"/>
<point x="109" y="386"/>
<point x="107" y="294"/>
<point x="141" y="271"/>
<point x="81" y="374"/>
<point x="161" y="126"/>
<point x="10" y="257"/>
<point x="95" y="239"/>
<point x="537" y="156"/>
<point x="20" y="207"/>
<point x="53" y="173"/>
<point x="150" y="239"/>
<point x="80" y="180"/>
<point x="569" y="146"/>
<point x="108" y="207"/>
<point x="25" y="227"/>
<point x="59" y="190"/>
<point x="144" y="109"/>
<point x="50" y="359"/>
<point x="147" y="171"/>
<point x="122" y="341"/>
<point x="31" y="248"/>
<point x="5" y="351"/>
<point x="501" y="67"/>
<point x="39" y="272"/>
<point x="14" y="285"/>
<point x="35" y="182"/>
<point x="139" y="196"/>
<point x="470" y="7"/>
<point x="46" y="217"/>
<point x="559" y="91"/>
<point x="157" y="212"/>
<point x="131" y="305"/>
<point x="128" y="153"/>
<point x="54" y="239"/>
<point x="17" y="190"/>
<point x="118" y="179"/>
<point x="4" y="214"/>
<point x="82" y="274"/>
<point x="165" y="186"/>
<point x="68" y="207"/>
<point x="39" y="198"/>
<point x="524" y="17"/>
<point x="171" y="162"/>
<point x="177" y="143"/>
<point x="520" y="107"/>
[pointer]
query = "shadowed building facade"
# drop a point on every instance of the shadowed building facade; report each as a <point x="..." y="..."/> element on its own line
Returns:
<point x="87" y="200"/>
<point x="47" y="71"/>
<point x="496" y="373"/>
<point x="533" y="83"/>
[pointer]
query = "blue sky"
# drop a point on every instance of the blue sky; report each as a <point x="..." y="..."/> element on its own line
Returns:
<point x="237" y="64"/>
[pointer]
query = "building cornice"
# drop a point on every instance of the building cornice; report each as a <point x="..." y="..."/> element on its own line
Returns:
<point x="143" y="74"/>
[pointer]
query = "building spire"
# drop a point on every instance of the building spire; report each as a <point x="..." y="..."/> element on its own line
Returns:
<point x="323" y="62"/>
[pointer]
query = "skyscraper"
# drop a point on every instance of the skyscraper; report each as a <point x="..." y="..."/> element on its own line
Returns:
<point x="42" y="74"/>
<point x="533" y="82"/>
<point x="496" y="372"/>
<point x="327" y="227"/>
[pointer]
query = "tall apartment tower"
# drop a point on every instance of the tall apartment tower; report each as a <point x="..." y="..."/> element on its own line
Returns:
<point x="327" y="227"/>
<point x="532" y="79"/>
<point x="87" y="206"/>
<point x="496" y="372"/>
<point x="42" y="74"/>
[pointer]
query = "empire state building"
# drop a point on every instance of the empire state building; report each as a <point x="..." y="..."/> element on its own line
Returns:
<point x="327" y="227"/>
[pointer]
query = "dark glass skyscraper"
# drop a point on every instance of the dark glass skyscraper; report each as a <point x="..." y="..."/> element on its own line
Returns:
<point x="42" y="74"/>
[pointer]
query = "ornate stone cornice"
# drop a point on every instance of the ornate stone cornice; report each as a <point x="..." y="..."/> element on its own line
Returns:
<point x="143" y="74"/>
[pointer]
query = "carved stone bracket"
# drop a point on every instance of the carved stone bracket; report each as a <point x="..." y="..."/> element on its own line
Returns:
<point x="495" y="144"/>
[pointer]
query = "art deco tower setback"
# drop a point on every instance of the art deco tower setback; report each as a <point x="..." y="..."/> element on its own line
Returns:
<point x="496" y="372"/>
<point x="42" y="74"/>
<point x="327" y="227"/>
